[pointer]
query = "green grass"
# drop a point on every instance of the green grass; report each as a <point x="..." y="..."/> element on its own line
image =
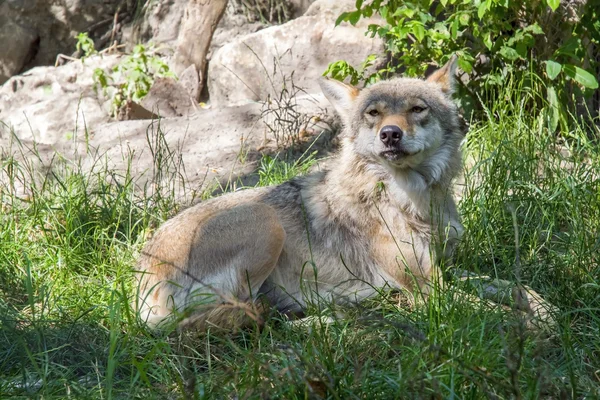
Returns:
<point x="68" y="250"/>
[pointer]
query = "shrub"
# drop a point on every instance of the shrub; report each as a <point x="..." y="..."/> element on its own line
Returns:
<point x="132" y="78"/>
<point x="549" y="44"/>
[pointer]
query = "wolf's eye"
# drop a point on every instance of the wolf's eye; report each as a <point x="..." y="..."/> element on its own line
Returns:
<point x="373" y="113"/>
<point x="417" y="109"/>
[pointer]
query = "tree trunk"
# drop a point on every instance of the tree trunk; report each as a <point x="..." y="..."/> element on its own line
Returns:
<point x="199" y="23"/>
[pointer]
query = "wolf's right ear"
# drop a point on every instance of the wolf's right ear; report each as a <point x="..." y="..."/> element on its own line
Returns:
<point x="446" y="76"/>
<point x="340" y="95"/>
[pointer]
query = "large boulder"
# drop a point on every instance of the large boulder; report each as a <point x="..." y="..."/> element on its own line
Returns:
<point x="213" y="148"/>
<point x="52" y="104"/>
<point x="254" y="66"/>
<point x="38" y="30"/>
<point x="50" y="110"/>
<point x="16" y="47"/>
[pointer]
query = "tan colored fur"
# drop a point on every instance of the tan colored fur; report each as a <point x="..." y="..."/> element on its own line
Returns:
<point x="373" y="217"/>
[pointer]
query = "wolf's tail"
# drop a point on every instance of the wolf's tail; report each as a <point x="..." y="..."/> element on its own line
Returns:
<point x="227" y="316"/>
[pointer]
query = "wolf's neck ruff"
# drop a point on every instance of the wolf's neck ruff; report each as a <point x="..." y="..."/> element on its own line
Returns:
<point x="356" y="181"/>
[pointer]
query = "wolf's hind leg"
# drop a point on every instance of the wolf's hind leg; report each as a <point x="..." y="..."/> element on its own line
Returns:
<point x="237" y="250"/>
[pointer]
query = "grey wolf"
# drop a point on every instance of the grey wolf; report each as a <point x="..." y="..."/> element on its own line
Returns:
<point x="380" y="214"/>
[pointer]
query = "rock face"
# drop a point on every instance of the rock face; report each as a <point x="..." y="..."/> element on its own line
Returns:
<point x="56" y="110"/>
<point x="168" y="98"/>
<point x="49" y="104"/>
<point x="16" y="46"/>
<point x="41" y="29"/>
<point x="251" y="67"/>
<point x="161" y="20"/>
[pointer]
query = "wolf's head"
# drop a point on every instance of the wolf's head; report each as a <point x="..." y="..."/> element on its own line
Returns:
<point x="402" y="123"/>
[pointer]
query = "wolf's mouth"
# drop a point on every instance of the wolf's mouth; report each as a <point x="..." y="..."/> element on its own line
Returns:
<point x="396" y="154"/>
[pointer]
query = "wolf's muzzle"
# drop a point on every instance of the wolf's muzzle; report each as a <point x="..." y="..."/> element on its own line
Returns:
<point x="390" y="135"/>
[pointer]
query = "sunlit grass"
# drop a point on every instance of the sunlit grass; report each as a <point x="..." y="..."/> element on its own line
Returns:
<point x="69" y="241"/>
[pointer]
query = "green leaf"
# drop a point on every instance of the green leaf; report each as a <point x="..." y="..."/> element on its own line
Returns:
<point x="465" y="65"/>
<point x="454" y="29"/>
<point x="553" y="112"/>
<point x="482" y="9"/>
<point x="553" y="4"/>
<point x="535" y="29"/>
<point x="359" y="4"/>
<point x="581" y="76"/>
<point x="509" y="53"/>
<point x="553" y="69"/>
<point x="383" y="11"/>
<point x="343" y="17"/>
<point x="487" y="40"/>
<point x="418" y="31"/>
<point x="353" y="17"/>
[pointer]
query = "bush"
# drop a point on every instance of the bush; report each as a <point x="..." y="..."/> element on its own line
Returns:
<point x="551" y="46"/>
<point x="132" y="78"/>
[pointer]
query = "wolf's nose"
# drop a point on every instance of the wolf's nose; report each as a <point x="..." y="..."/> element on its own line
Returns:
<point x="390" y="135"/>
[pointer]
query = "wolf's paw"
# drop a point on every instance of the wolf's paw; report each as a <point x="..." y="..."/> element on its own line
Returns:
<point x="538" y="313"/>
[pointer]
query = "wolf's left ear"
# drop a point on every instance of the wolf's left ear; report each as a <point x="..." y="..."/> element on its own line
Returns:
<point x="446" y="76"/>
<point x="340" y="95"/>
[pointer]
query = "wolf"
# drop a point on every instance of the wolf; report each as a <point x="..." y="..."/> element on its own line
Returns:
<point x="380" y="214"/>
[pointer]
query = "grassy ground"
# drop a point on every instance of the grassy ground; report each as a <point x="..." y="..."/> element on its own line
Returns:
<point x="531" y="210"/>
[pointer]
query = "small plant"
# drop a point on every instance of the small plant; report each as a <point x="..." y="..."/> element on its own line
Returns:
<point x="281" y="115"/>
<point x="85" y="45"/>
<point x="132" y="78"/>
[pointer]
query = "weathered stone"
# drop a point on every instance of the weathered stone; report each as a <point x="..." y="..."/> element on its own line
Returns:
<point x="16" y="47"/>
<point x="299" y="7"/>
<point x="53" y="104"/>
<point x="54" y="25"/>
<point x="168" y="98"/>
<point x="161" y="21"/>
<point x="132" y="111"/>
<point x="251" y="67"/>
<point x="190" y="81"/>
<point x="58" y="109"/>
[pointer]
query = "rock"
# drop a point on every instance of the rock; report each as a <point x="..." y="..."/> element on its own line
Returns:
<point x="168" y="98"/>
<point x="190" y="81"/>
<point x="161" y="21"/>
<point x="231" y="27"/>
<point x="51" y="27"/>
<point x="16" y="47"/>
<point x="253" y="66"/>
<point x="53" y="104"/>
<point x="215" y="145"/>
<point x="55" y="110"/>
<point x="299" y="7"/>
<point x="132" y="111"/>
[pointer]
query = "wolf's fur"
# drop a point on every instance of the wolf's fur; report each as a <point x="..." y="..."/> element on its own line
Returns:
<point x="374" y="217"/>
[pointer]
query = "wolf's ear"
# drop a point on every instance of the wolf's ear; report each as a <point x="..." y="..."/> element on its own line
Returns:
<point x="340" y="95"/>
<point x="446" y="76"/>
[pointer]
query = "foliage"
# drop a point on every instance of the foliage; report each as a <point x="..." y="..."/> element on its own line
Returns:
<point x="133" y="77"/>
<point x="340" y="70"/>
<point x="85" y="45"/>
<point x="492" y="38"/>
